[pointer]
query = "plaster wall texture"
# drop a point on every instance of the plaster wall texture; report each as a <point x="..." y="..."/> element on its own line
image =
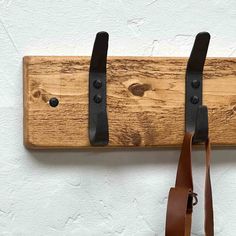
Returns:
<point x="119" y="193"/>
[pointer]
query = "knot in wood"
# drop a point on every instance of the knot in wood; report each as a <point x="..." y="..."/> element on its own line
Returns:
<point x="139" y="89"/>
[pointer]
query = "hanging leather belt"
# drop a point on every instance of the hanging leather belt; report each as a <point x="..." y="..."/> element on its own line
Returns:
<point x="180" y="201"/>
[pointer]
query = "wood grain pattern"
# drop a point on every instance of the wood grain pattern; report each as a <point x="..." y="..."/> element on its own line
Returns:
<point x="145" y="101"/>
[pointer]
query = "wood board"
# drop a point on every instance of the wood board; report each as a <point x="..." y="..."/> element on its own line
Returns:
<point x="145" y="101"/>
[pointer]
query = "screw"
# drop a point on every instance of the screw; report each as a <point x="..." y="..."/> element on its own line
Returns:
<point x="53" y="102"/>
<point x="195" y="84"/>
<point x="97" y="84"/>
<point x="194" y="100"/>
<point x="97" y="98"/>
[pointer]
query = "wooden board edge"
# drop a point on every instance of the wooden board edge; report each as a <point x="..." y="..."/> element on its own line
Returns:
<point x="26" y="140"/>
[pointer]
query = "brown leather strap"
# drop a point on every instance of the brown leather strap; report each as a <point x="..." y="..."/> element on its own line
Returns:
<point x="178" y="216"/>
<point x="180" y="201"/>
<point x="209" y="216"/>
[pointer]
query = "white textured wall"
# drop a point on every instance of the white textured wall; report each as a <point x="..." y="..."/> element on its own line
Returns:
<point x="105" y="193"/>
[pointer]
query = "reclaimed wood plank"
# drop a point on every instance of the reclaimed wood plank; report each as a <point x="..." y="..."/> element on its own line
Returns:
<point x="145" y="101"/>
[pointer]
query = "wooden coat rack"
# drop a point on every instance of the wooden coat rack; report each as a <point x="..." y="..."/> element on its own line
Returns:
<point x="145" y="101"/>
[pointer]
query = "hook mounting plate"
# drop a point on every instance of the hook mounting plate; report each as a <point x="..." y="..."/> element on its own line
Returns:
<point x="98" y="121"/>
<point x="196" y="116"/>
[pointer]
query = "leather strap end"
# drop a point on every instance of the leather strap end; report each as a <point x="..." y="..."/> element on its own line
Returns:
<point x="178" y="218"/>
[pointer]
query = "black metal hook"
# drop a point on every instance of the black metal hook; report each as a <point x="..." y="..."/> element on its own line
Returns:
<point x="196" y="115"/>
<point x="98" y="121"/>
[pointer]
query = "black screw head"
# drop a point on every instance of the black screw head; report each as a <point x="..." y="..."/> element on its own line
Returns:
<point x="195" y="84"/>
<point x="195" y="100"/>
<point x="97" y="84"/>
<point x="53" y="102"/>
<point x="97" y="98"/>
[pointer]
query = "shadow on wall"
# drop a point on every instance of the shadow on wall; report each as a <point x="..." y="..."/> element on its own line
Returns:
<point x="129" y="157"/>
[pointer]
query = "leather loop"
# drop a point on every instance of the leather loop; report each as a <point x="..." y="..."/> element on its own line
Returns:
<point x="180" y="200"/>
<point x="178" y="218"/>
